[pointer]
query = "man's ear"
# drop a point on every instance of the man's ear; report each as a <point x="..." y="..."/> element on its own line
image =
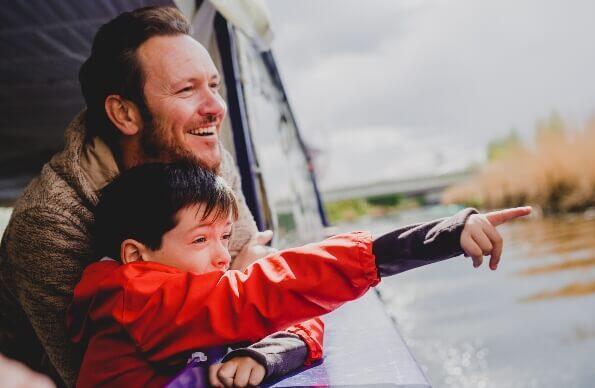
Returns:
<point x="132" y="250"/>
<point x="124" y="114"/>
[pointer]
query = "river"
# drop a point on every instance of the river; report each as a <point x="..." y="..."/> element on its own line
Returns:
<point x="531" y="323"/>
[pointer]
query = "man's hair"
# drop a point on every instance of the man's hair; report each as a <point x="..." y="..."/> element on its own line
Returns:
<point x="142" y="204"/>
<point x="114" y="67"/>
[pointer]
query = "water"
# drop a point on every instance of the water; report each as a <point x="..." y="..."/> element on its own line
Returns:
<point x="529" y="324"/>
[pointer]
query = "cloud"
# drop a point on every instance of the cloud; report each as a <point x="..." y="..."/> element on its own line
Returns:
<point x="455" y="74"/>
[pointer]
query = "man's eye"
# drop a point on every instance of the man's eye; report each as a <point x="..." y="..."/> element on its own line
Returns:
<point x="186" y="89"/>
<point x="214" y="85"/>
<point x="200" y="240"/>
<point x="227" y="236"/>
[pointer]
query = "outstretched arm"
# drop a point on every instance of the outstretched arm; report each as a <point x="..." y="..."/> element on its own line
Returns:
<point x="467" y="232"/>
<point x="276" y="292"/>
<point x="163" y="310"/>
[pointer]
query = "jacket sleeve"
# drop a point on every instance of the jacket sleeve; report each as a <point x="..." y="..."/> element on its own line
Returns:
<point x="312" y="333"/>
<point x="43" y="253"/>
<point x="416" y="245"/>
<point x="171" y="315"/>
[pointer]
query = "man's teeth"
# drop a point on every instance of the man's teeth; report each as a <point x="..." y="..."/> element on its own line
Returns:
<point x="203" y="131"/>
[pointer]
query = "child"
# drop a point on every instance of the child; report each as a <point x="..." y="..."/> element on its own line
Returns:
<point x="172" y="294"/>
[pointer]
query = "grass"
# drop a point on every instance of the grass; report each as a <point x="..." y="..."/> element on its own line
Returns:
<point x="352" y="209"/>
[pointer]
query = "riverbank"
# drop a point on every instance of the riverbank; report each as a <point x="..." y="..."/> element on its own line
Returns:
<point x="350" y="210"/>
<point x="556" y="175"/>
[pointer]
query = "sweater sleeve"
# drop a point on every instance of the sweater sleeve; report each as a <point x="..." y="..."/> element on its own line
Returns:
<point x="285" y="351"/>
<point x="245" y="227"/>
<point x="416" y="245"/>
<point x="44" y="261"/>
<point x="280" y="353"/>
<point x="163" y="315"/>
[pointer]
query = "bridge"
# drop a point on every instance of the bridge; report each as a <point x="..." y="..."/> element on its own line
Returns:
<point x="430" y="187"/>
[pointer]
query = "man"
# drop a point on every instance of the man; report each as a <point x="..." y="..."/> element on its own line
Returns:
<point x="152" y="95"/>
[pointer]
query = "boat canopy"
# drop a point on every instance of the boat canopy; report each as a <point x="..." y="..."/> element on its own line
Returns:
<point x="45" y="43"/>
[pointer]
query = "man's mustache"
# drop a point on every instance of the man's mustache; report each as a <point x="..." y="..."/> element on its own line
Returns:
<point x="209" y="119"/>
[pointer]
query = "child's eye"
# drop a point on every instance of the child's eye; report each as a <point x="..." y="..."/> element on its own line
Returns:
<point x="227" y="236"/>
<point x="200" y="240"/>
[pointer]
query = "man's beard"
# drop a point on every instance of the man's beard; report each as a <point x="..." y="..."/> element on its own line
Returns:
<point x="161" y="146"/>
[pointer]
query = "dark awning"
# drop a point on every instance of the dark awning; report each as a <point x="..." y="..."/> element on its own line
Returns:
<point x="43" y="43"/>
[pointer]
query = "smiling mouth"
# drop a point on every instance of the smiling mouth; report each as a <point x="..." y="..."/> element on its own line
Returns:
<point x="203" y="132"/>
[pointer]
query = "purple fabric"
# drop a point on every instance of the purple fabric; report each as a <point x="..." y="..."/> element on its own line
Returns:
<point x="196" y="373"/>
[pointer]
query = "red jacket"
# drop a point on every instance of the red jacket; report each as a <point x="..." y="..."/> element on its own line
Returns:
<point x="143" y="319"/>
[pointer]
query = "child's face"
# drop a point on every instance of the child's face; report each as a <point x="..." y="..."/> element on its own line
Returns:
<point x="194" y="245"/>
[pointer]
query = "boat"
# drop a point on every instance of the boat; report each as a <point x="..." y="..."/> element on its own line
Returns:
<point x="44" y="44"/>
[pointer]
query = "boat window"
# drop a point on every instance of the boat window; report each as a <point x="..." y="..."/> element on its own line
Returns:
<point x="283" y="164"/>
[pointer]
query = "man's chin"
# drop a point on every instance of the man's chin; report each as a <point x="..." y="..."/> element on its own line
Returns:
<point x="211" y="162"/>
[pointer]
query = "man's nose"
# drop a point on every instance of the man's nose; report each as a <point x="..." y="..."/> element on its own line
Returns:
<point x="212" y="105"/>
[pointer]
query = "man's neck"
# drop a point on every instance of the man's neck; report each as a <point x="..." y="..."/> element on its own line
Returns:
<point x="130" y="155"/>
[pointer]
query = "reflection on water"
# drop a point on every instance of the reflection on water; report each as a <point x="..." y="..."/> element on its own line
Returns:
<point x="565" y="265"/>
<point x="574" y="289"/>
<point x="565" y="244"/>
<point x="529" y="324"/>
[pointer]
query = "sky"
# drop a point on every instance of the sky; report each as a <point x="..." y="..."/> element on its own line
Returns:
<point x="392" y="89"/>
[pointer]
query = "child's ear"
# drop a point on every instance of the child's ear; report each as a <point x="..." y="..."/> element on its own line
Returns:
<point x="132" y="250"/>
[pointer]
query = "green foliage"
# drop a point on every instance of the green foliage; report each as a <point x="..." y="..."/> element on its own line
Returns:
<point x="346" y="210"/>
<point x="552" y="125"/>
<point x="502" y="147"/>
<point x="350" y="209"/>
<point x="286" y="221"/>
<point x="387" y="200"/>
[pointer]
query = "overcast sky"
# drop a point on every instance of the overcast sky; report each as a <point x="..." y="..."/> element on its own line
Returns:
<point x="392" y="88"/>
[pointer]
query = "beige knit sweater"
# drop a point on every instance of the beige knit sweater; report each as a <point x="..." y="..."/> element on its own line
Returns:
<point x="46" y="246"/>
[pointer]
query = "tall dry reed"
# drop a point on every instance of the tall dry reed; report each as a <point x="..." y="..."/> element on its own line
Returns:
<point x="557" y="174"/>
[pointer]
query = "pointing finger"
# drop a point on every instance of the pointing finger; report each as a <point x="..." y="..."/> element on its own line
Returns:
<point x="501" y="216"/>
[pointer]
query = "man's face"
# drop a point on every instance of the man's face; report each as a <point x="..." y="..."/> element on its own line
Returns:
<point x="195" y="245"/>
<point x="182" y="95"/>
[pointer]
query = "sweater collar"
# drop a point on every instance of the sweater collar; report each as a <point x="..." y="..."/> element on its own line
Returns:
<point x="98" y="163"/>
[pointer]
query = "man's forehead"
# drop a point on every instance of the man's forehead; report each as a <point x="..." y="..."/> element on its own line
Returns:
<point x="176" y="58"/>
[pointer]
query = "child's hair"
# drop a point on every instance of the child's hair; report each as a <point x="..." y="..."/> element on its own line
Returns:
<point x="142" y="204"/>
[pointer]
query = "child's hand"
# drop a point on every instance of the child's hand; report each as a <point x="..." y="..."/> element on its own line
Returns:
<point x="480" y="237"/>
<point x="237" y="372"/>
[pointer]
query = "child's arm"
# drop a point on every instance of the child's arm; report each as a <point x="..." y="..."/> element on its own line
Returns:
<point x="279" y="354"/>
<point x="466" y="232"/>
<point x="168" y="312"/>
<point x="164" y="309"/>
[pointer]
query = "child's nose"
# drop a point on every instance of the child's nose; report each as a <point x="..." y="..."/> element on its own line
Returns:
<point x="222" y="259"/>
